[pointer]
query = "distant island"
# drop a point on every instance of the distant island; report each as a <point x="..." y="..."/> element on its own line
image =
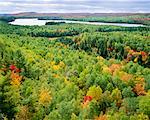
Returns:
<point x="54" y="23"/>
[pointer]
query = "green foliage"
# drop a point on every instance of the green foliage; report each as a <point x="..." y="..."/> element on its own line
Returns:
<point x="130" y="104"/>
<point x="95" y="92"/>
<point x="57" y="75"/>
<point x="127" y="92"/>
<point x="116" y="94"/>
<point x="114" y="44"/>
<point x="144" y="105"/>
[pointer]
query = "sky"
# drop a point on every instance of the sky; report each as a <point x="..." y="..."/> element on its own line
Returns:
<point x="75" y="6"/>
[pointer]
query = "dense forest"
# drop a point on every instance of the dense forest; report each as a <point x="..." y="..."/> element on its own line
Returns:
<point x="74" y="72"/>
<point x="131" y="19"/>
<point x="136" y="19"/>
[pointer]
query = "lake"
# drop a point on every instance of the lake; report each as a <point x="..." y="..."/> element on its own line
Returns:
<point x="35" y="21"/>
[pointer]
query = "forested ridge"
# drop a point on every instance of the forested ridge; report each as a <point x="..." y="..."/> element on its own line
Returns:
<point x="131" y="19"/>
<point x="74" y="72"/>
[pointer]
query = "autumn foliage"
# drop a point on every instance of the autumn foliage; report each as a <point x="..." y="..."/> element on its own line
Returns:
<point x="74" y="72"/>
<point x="15" y="78"/>
<point x="139" y="89"/>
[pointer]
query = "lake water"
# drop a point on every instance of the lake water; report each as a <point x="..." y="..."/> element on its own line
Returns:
<point x="34" y="21"/>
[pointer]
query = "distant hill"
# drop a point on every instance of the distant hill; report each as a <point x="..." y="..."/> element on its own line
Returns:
<point x="71" y="15"/>
<point x="1" y="15"/>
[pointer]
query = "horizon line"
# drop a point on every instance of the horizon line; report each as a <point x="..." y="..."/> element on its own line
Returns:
<point x="81" y="12"/>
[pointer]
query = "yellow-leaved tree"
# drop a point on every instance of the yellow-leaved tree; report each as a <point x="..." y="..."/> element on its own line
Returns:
<point x="95" y="92"/>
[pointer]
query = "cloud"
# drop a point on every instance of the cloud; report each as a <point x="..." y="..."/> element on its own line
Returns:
<point x="71" y="6"/>
<point x="5" y="3"/>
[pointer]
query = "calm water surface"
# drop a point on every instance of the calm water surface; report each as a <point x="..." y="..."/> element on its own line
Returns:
<point x="42" y="22"/>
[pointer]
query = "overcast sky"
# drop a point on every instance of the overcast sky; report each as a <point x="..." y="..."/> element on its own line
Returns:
<point x="74" y="6"/>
